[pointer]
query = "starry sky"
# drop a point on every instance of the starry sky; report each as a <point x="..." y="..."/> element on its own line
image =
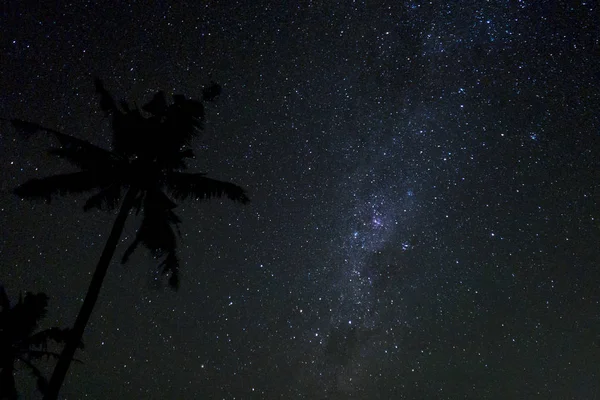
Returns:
<point x="424" y="180"/>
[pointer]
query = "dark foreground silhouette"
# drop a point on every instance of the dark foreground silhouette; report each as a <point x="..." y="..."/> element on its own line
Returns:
<point x="149" y="152"/>
<point x="21" y="344"/>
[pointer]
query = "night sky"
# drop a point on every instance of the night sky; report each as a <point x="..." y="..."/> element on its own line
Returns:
<point x="424" y="177"/>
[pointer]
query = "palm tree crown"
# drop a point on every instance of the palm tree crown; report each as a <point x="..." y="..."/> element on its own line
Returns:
<point x="150" y="147"/>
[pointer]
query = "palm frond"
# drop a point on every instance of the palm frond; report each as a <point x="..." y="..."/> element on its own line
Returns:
<point x="157" y="235"/>
<point x="45" y="188"/>
<point x="130" y="133"/>
<point x="198" y="186"/>
<point x="26" y="314"/>
<point x="82" y="153"/>
<point x="185" y="107"/>
<point x="108" y="197"/>
<point x="42" y="383"/>
<point x="174" y="159"/>
<point x="107" y="103"/>
<point x="37" y="354"/>
<point x="184" y="120"/>
<point x="130" y="128"/>
<point x="155" y="232"/>
<point x="41" y="339"/>
<point x="158" y="202"/>
<point x="158" y="105"/>
<point x="29" y="128"/>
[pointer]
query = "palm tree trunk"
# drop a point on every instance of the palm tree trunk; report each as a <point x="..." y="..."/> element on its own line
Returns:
<point x="62" y="366"/>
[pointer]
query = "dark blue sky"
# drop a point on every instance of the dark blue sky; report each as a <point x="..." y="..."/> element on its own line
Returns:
<point x="424" y="184"/>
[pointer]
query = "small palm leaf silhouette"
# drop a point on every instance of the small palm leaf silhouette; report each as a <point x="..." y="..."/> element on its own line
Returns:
<point x="19" y="341"/>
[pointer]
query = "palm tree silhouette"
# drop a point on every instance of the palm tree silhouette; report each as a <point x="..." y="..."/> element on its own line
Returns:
<point x="149" y="151"/>
<point x="19" y="343"/>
